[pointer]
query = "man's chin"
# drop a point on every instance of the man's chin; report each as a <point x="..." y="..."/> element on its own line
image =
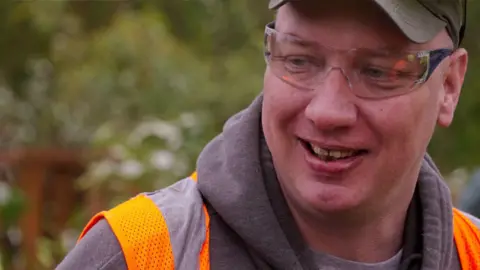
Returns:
<point x="334" y="200"/>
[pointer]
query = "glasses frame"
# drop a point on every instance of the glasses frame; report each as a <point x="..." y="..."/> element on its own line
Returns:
<point x="434" y="57"/>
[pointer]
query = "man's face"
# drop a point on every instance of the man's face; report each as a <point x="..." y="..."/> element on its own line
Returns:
<point x="388" y="136"/>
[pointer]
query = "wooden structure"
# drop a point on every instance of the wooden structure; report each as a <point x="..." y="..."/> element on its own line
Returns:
<point x="47" y="178"/>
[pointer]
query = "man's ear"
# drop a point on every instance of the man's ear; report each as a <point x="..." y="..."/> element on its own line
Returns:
<point x="452" y="86"/>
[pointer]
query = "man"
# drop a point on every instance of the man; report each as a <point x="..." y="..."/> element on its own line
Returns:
<point x="327" y="168"/>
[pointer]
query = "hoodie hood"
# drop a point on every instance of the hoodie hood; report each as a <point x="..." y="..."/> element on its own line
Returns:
<point x="237" y="178"/>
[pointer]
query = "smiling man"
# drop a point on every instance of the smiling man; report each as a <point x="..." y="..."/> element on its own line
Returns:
<point x="327" y="168"/>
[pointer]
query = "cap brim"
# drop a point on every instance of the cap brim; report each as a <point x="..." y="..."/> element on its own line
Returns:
<point x="274" y="4"/>
<point x="414" y="20"/>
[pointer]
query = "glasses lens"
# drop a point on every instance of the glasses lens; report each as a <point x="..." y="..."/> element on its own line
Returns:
<point x="383" y="74"/>
<point x="294" y="61"/>
<point x="371" y="73"/>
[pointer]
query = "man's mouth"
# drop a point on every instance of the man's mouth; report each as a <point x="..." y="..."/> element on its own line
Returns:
<point x="331" y="154"/>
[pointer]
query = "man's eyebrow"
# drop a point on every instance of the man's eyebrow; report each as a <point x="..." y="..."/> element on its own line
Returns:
<point x="380" y="48"/>
<point x="295" y="39"/>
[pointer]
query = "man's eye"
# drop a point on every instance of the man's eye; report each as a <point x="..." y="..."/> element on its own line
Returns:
<point x="298" y="63"/>
<point x="375" y="72"/>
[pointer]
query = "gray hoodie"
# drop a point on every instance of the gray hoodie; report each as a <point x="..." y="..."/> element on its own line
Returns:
<point x="251" y="226"/>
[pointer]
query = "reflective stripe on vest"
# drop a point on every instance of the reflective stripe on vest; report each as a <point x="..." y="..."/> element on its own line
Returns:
<point x="467" y="240"/>
<point x="154" y="234"/>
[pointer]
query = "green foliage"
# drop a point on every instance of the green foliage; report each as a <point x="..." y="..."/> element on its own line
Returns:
<point x="12" y="204"/>
<point x="150" y="82"/>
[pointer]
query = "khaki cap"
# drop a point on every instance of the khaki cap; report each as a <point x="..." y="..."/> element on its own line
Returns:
<point x="420" y="20"/>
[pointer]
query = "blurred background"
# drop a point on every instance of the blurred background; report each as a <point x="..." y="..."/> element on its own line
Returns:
<point x="101" y="100"/>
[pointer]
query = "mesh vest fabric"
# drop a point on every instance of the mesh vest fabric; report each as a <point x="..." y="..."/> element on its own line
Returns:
<point x="146" y="242"/>
<point x="467" y="240"/>
<point x="142" y="234"/>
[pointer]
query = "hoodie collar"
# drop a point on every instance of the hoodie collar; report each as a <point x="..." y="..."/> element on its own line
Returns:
<point x="235" y="172"/>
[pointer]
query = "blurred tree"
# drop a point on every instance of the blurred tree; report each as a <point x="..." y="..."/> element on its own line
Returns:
<point x="122" y="78"/>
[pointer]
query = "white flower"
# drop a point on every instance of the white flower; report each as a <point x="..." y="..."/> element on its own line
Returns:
<point x="5" y="193"/>
<point x="188" y="120"/>
<point x="159" y="129"/>
<point x="102" y="169"/>
<point x="162" y="160"/>
<point x="131" y="169"/>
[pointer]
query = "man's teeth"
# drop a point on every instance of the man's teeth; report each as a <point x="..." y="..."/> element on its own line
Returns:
<point x="336" y="154"/>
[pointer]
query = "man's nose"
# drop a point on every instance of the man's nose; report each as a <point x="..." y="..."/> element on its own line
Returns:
<point x="332" y="105"/>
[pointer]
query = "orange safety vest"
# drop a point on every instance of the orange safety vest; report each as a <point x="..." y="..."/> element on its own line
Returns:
<point x="143" y="235"/>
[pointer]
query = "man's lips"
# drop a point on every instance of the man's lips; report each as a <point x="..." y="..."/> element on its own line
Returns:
<point x="330" y="158"/>
<point x="333" y="150"/>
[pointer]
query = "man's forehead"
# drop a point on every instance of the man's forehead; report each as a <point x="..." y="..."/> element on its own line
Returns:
<point x="362" y="11"/>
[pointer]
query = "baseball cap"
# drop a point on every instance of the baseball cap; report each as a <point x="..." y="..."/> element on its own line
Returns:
<point x="420" y="20"/>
